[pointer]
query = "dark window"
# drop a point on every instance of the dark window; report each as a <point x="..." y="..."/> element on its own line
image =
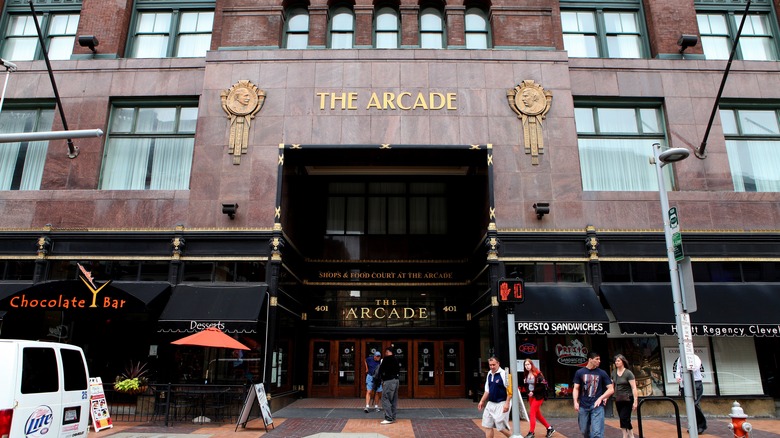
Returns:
<point x="74" y="370"/>
<point x="616" y="272"/>
<point x="198" y="271"/>
<point x="19" y="270"/>
<point x="557" y="272"/>
<point x="717" y="272"/>
<point x="650" y="272"/>
<point x="39" y="370"/>
<point x="155" y="271"/>
<point x="761" y="271"/>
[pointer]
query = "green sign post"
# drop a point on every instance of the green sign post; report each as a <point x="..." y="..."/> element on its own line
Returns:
<point x="674" y="223"/>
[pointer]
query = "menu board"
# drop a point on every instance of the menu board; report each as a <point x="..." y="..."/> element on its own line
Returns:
<point x="101" y="419"/>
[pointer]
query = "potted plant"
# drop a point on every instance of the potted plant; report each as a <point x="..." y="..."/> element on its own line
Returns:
<point x="133" y="381"/>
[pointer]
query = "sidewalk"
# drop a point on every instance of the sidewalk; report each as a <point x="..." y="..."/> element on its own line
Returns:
<point x="416" y="419"/>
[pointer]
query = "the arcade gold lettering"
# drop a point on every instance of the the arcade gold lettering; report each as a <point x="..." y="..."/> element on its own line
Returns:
<point x="386" y="309"/>
<point x="383" y="101"/>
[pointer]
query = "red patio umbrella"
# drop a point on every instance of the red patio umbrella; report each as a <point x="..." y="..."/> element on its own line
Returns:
<point x="211" y="337"/>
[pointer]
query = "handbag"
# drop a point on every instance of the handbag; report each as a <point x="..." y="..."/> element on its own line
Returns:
<point x="623" y="397"/>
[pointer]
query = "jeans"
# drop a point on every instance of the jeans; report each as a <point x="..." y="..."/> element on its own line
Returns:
<point x="591" y="421"/>
<point x="390" y="398"/>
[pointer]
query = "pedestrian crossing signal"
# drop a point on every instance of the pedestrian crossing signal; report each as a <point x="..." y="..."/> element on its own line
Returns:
<point x="511" y="290"/>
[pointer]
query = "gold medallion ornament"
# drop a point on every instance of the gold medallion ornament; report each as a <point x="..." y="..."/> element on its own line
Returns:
<point x="531" y="103"/>
<point x="241" y="102"/>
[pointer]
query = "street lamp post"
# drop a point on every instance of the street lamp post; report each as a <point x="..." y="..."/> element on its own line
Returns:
<point x="682" y="321"/>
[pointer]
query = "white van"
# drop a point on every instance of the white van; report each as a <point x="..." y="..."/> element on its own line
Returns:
<point x="44" y="390"/>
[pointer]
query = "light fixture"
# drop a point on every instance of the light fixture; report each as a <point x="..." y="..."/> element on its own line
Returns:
<point x="230" y="210"/>
<point x="686" y="41"/>
<point x="9" y="66"/>
<point x="673" y="155"/>
<point x="89" y="41"/>
<point x="541" y="209"/>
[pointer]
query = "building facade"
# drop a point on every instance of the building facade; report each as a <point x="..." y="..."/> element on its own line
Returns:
<point x="325" y="179"/>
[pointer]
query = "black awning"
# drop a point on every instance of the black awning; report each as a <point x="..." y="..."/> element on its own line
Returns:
<point x="8" y="289"/>
<point x="80" y="296"/>
<point x="145" y="291"/>
<point x="232" y="309"/>
<point x="560" y="310"/>
<point x="724" y="309"/>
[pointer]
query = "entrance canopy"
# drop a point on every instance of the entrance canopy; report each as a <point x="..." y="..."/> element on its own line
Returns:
<point x="724" y="309"/>
<point x="560" y="310"/>
<point x="232" y="309"/>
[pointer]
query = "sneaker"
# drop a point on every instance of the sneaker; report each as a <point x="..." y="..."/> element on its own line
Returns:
<point x="387" y="422"/>
<point x="530" y="435"/>
<point x="377" y="409"/>
<point x="550" y="432"/>
<point x="365" y="409"/>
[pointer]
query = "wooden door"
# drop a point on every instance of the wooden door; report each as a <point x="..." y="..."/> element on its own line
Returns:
<point x="427" y="376"/>
<point x="453" y="381"/>
<point x="438" y="369"/>
<point x="322" y="369"/>
<point x="334" y="369"/>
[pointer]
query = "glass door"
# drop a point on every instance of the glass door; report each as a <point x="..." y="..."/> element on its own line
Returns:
<point x="453" y="381"/>
<point x="334" y="369"/>
<point x="320" y="379"/>
<point x="438" y="369"/>
<point x="426" y="374"/>
<point x="347" y="369"/>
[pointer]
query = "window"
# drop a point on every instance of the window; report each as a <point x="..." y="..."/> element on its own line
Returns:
<point x="21" y="163"/>
<point x="752" y="144"/>
<point x="149" y="148"/>
<point x="615" y="144"/>
<point x="431" y="29"/>
<point x="387" y="29"/>
<point x="718" y="31"/>
<point x="384" y="208"/>
<point x="342" y="28"/>
<point x="179" y="33"/>
<point x="477" y="27"/>
<point x="547" y="272"/>
<point x="117" y="270"/>
<point x="297" y="35"/>
<point x="74" y="371"/>
<point x="20" y="41"/>
<point x="40" y="372"/>
<point x="602" y="33"/>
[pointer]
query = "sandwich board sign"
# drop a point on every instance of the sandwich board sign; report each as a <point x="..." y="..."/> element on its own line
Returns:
<point x="256" y="393"/>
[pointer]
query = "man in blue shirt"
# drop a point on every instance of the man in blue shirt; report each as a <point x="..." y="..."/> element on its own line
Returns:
<point x="592" y="388"/>
<point x="373" y="386"/>
<point x="498" y="395"/>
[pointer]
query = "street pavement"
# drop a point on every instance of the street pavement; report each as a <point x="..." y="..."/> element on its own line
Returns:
<point x="331" y="418"/>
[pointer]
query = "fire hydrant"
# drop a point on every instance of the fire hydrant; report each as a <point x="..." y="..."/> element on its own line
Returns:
<point x="739" y="426"/>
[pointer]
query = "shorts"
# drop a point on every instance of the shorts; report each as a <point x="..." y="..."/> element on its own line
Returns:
<point x="370" y="384"/>
<point x="494" y="417"/>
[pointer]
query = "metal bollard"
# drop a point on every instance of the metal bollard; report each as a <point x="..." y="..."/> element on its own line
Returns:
<point x="738" y="425"/>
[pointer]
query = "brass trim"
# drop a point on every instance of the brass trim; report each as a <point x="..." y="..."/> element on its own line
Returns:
<point x="410" y="261"/>
<point x="354" y="284"/>
<point x="544" y="259"/>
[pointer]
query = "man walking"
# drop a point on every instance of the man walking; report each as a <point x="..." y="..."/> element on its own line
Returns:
<point x="389" y="371"/>
<point x="498" y="395"/>
<point x="698" y="386"/>
<point x="592" y="388"/>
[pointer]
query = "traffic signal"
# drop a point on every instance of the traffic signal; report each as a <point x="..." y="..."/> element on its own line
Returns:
<point x="511" y="290"/>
